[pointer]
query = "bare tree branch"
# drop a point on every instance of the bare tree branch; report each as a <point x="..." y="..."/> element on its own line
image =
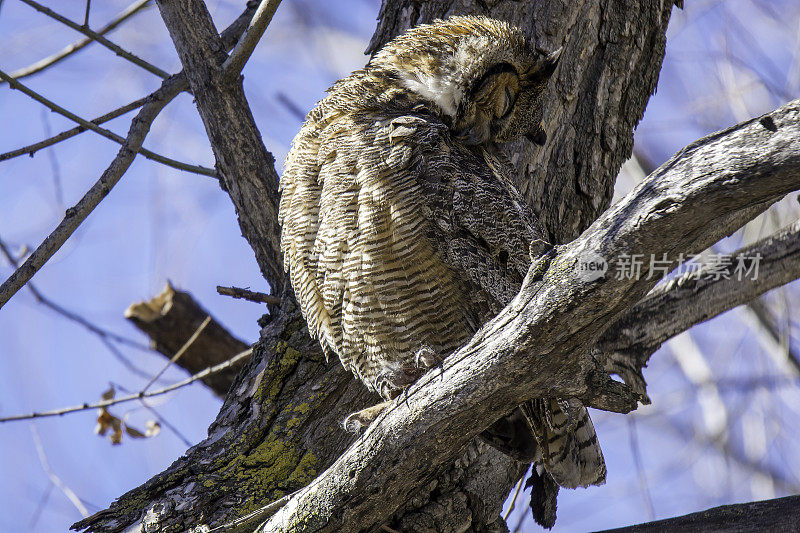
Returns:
<point x="538" y="345"/>
<point x="55" y="167"/>
<point x="102" y="333"/>
<point x="781" y="514"/>
<point x="67" y="51"/>
<point x="108" y="134"/>
<point x="64" y="135"/>
<point x="247" y="170"/>
<point x="229" y="38"/>
<point x="767" y="322"/>
<point x="132" y="397"/>
<point x="86" y="16"/>
<point x="54" y="479"/>
<point x="692" y="298"/>
<point x="99" y="38"/>
<point x="172" y="316"/>
<point x="140" y="126"/>
<point x="180" y="352"/>
<point x="244" y="48"/>
<point x="245" y="294"/>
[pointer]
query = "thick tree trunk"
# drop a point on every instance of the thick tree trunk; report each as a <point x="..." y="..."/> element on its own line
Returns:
<point x="280" y="425"/>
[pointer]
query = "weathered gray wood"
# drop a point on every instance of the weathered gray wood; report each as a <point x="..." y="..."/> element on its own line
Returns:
<point x="690" y="299"/>
<point x="781" y="514"/>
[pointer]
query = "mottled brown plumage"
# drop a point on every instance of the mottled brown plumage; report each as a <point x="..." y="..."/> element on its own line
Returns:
<point x="401" y="229"/>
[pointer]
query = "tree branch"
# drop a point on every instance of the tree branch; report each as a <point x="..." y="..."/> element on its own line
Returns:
<point x="99" y="38"/>
<point x="108" y="134"/>
<point x="780" y="514"/>
<point x="246" y="169"/>
<point x="245" y="294"/>
<point x="244" y="48"/>
<point x="140" y="126"/>
<point x="80" y="44"/>
<point x="538" y="345"/>
<point x="135" y="396"/>
<point x="229" y="37"/>
<point x="64" y="135"/>
<point x="172" y="316"/>
<point x="687" y="300"/>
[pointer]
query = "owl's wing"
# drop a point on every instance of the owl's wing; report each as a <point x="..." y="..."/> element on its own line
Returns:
<point x="484" y="231"/>
<point x="301" y="187"/>
<point x="477" y="221"/>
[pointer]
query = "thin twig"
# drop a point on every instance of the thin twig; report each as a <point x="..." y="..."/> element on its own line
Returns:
<point x="180" y="352"/>
<point x="137" y="396"/>
<point x="64" y="135"/>
<point x="166" y="423"/>
<point x="59" y="190"/>
<point x="86" y="17"/>
<point x="291" y="106"/>
<point x="68" y="492"/>
<point x="104" y="132"/>
<point x="80" y="44"/>
<point x="637" y="460"/>
<point x="170" y="88"/>
<point x="105" y="336"/>
<point x="42" y="501"/>
<point x="514" y="499"/>
<point x="244" y="48"/>
<point x="74" y="317"/>
<point x="765" y="319"/>
<point x="161" y="420"/>
<point x="245" y="294"/>
<point x="99" y="38"/>
<point x="140" y="126"/>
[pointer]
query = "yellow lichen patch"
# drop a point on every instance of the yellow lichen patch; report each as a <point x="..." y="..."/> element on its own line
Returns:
<point x="305" y="472"/>
<point x="271" y="465"/>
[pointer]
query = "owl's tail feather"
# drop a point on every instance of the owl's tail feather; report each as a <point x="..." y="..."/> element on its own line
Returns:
<point x="543" y="496"/>
<point x="567" y="441"/>
<point x="559" y="438"/>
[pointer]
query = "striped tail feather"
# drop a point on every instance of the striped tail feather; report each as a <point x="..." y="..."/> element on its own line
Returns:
<point x="567" y="441"/>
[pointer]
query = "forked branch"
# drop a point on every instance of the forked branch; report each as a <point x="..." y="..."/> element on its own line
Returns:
<point x="539" y="345"/>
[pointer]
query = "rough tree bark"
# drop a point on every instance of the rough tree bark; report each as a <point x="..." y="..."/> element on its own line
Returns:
<point x="279" y="426"/>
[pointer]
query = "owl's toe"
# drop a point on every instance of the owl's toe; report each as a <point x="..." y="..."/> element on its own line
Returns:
<point x="427" y="358"/>
<point x="393" y="380"/>
<point x="357" y="421"/>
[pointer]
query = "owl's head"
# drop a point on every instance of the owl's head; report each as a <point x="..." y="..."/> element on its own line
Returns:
<point x="483" y="77"/>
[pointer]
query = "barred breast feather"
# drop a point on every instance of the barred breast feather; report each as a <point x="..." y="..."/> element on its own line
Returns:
<point x="401" y="229"/>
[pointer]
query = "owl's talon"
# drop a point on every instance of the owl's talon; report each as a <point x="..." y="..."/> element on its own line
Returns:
<point x="357" y="421"/>
<point x="427" y="358"/>
<point x="391" y="382"/>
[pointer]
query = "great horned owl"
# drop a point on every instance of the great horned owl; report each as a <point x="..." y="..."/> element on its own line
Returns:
<point x="403" y="233"/>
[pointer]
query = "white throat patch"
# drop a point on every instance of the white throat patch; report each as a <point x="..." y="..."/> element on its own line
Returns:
<point x="443" y="91"/>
